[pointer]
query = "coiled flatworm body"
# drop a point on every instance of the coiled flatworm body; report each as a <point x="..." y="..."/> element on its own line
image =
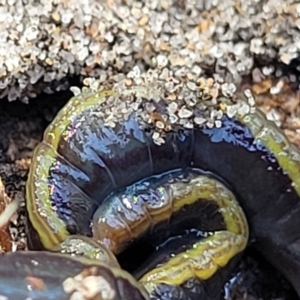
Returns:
<point x="132" y="165"/>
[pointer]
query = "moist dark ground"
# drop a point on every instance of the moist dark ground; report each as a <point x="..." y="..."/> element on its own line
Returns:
<point x="21" y="128"/>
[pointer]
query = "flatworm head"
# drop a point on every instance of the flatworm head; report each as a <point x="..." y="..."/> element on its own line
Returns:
<point x="110" y="138"/>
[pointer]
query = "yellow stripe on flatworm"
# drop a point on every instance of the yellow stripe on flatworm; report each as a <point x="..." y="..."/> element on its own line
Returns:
<point x="268" y="134"/>
<point x="45" y="220"/>
<point x="70" y="112"/>
<point x="51" y="229"/>
<point x="287" y="155"/>
<point x="86" y="100"/>
<point x="205" y="257"/>
<point x="202" y="261"/>
<point x="197" y="189"/>
<point x="202" y="187"/>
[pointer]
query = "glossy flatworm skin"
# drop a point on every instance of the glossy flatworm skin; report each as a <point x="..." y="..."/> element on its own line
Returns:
<point x="44" y="275"/>
<point x="163" y="206"/>
<point x="88" y="153"/>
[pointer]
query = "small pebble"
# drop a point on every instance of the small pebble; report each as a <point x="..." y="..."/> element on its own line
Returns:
<point x="46" y="41"/>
